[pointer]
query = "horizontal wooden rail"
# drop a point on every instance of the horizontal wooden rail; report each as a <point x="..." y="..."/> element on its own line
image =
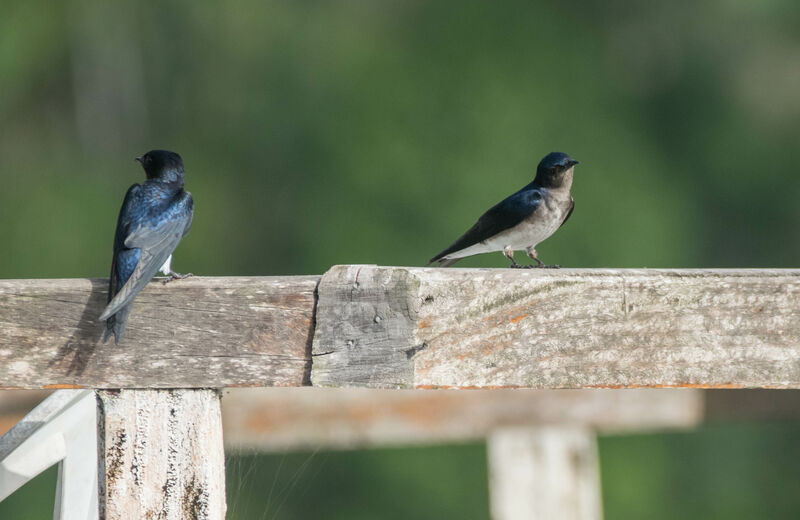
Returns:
<point x="199" y="333"/>
<point x="569" y="328"/>
<point x="278" y="419"/>
<point x="349" y="418"/>
<point x="396" y="327"/>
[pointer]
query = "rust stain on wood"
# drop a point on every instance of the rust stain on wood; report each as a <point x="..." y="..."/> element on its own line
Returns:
<point x="601" y="387"/>
<point x="467" y="387"/>
<point x="671" y="385"/>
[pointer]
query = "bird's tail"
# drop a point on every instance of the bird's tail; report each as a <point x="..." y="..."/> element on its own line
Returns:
<point x="115" y="324"/>
<point x="444" y="262"/>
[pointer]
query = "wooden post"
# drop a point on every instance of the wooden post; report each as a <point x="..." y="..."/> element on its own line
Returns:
<point x="543" y="473"/>
<point x="161" y="454"/>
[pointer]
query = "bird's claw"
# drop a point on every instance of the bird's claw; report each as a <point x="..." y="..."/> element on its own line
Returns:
<point x="175" y="276"/>
<point x="516" y="266"/>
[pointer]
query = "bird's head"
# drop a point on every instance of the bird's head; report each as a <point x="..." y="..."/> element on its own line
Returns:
<point x="162" y="164"/>
<point x="555" y="170"/>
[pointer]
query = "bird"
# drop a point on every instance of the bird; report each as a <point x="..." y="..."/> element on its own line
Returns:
<point x="154" y="217"/>
<point x="522" y="220"/>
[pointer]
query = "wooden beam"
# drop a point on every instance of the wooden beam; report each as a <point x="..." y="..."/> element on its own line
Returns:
<point x="395" y="327"/>
<point x="388" y="327"/>
<point x="198" y="332"/>
<point x="161" y="455"/>
<point x="278" y="419"/>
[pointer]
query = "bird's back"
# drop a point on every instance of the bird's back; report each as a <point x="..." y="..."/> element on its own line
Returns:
<point x="159" y="212"/>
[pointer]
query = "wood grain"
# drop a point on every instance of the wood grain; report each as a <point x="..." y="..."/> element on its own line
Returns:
<point x="197" y="332"/>
<point x="395" y="327"/>
<point x="387" y="327"/>
<point x="161" y="455"/>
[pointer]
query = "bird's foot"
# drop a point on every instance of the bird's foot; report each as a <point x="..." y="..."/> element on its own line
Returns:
<point x="541" y="266"/>
<point x="175" y="276"/>
<point x="515" y="266"/>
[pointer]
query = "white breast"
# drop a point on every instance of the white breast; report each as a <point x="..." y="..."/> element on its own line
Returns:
<point x="528" y="233"/>
<point x="167" y="267"/>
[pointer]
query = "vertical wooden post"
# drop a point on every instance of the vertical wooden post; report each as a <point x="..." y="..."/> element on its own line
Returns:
<point x="543" y="473"/>
<point x="160" y="454"/>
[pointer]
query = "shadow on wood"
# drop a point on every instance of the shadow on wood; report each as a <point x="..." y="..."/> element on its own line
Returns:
<point x="80" y="347"/>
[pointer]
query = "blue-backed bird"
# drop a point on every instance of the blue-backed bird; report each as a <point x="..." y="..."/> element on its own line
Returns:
<point x="522" y="220"/>
<point x="154" y="217"/>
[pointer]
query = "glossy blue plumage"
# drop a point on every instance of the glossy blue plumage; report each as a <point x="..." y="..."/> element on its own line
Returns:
<point x="153" y="219"/>
<point x="555" y="160"/>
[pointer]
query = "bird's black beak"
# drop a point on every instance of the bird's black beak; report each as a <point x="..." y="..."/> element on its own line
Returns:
<point x="138" y="159"/>
<point x="573" y="162"/>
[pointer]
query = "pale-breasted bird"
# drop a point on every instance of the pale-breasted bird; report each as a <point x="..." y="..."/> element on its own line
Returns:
<point x="522" y="220"/>
<point x="153" y="219"/>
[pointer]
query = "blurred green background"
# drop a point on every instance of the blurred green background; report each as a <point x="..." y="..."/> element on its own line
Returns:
<point x="317" y="133"/>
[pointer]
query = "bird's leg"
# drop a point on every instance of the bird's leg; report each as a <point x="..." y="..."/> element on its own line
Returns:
<point x="175" y="276"/>
<point x="531" y="252"/>
<point x="509" y="253"/>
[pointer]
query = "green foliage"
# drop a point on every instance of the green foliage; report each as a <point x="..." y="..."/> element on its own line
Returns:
<point x="424" y="483"/>
<point x="34" y="500"/>
<point x="732" y="471"/>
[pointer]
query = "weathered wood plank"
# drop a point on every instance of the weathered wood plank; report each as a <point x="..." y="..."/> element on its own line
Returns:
<point x="161" y="455"/>
<point x="543" y="473"/>
<point x="198" y="332"/>
<point x="277" y="419"/>
<point x="388" y="327"/>
<point x="415" y="328"/>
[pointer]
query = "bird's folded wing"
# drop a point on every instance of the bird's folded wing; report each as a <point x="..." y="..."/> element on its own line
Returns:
<point x="502" y="216"/>
<point x="156" y="244"/>
<point x="149" y="236"/>
<point x="569" y="211"/>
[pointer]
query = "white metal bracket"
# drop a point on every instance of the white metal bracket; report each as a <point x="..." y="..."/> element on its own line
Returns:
<point x="63" y="430"/>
